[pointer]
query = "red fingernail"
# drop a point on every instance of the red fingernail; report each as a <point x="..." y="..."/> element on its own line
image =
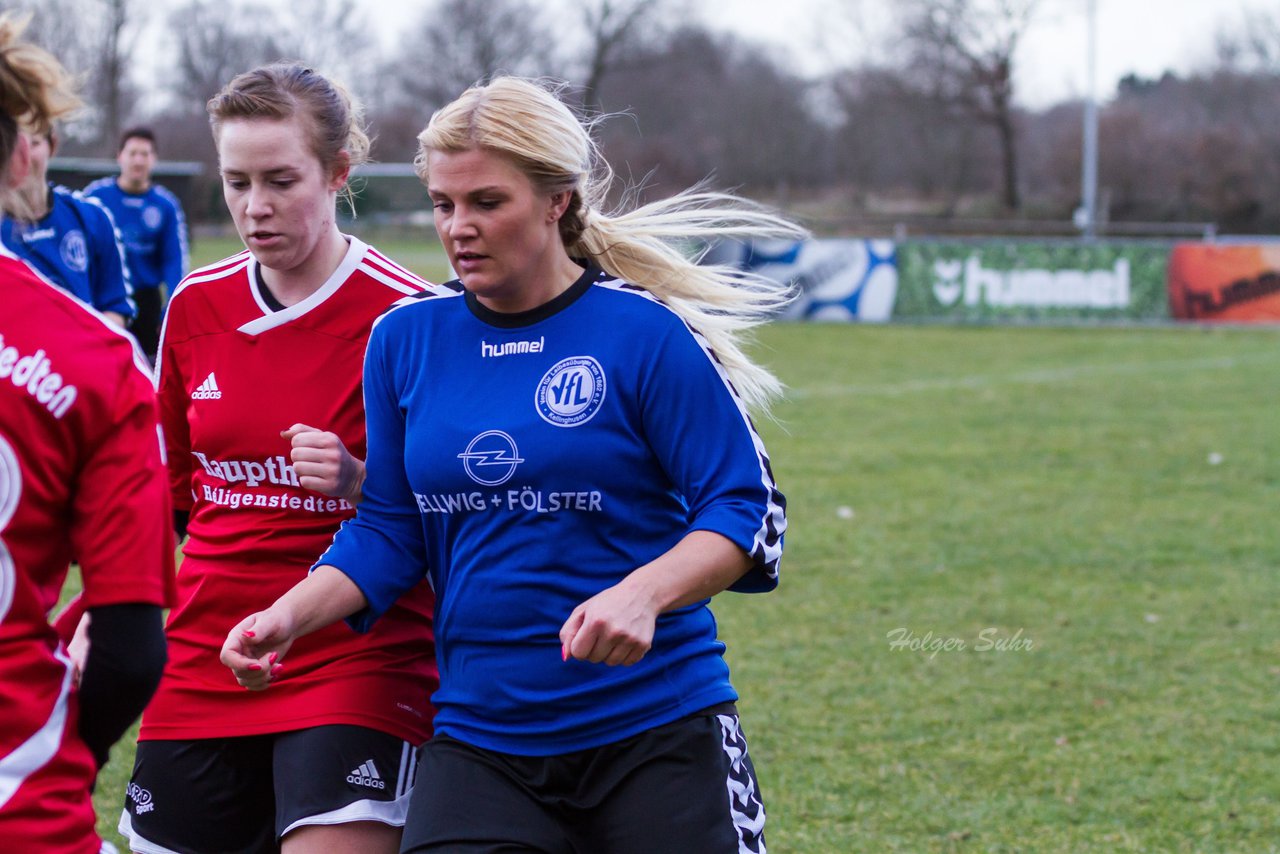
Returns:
<point x="249" y="634"/>
<point x="271" y="659"/>
<point x="564" y="652"/>
<point x="275" y="671"/>
<point x="255" y="666"/>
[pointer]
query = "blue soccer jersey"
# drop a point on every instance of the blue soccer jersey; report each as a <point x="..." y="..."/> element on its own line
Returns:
<point x="153" y="230"/>
<point x="527" y="462"/>
<point x="75" y="246"/>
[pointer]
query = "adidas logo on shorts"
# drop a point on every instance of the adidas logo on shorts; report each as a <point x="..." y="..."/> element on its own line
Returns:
<point x="208" y="390"/>
<point x="366" y="775"/>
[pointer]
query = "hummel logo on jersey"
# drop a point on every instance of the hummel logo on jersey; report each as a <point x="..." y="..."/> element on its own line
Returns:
<point x="367" y="775"/>
<point x="511" y="348"/>
<point x="208" y="390"/>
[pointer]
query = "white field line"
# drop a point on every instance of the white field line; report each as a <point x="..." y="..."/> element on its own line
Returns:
<point x="1042" y="376"/>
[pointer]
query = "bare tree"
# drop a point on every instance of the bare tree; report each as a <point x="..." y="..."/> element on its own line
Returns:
<point x="94" y="39"/>
<point x="612" y="26"/>
<point x="1199" y="148"/>
<point x="962" y="53"/>
<point x="455" y="44"/>
<point x="56" y="26"/>
<point x="213" y="46"/>
<point x="333" y="36"/>
<point x="460" y="42"/>
<point x="1251" y="46"/>
<point x="118" y="38"/>
<point x="216" y="40"/>
<point x="704" y="105"/>
<point x="893" y="140"/>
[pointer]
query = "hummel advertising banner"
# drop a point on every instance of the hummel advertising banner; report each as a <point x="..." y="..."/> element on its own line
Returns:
<point x="1238" y="283"/>
<point x="986" y="280"/>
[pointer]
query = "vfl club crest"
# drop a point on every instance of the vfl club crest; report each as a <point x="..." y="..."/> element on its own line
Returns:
<point x="571" y="392"/>
<point x="74" y="251"/>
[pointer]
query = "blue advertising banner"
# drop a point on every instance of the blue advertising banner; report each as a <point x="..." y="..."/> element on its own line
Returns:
<point x="838" y="279"/>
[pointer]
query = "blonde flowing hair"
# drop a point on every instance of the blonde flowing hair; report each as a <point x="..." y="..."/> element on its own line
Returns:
<point x="35" y="91"/>
<point x="655" y="246"/>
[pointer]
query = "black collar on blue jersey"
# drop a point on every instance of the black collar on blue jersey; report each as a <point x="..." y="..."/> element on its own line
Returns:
<point x="517" y="319"/>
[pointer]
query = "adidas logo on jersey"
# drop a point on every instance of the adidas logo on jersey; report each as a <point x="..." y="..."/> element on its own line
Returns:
<point x="208" y="390"/>
<point x="366" y="775"/>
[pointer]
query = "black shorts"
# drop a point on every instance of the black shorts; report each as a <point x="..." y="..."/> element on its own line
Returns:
<point x="687" y="786"/>
<point x="146" y="323"/>
<point x="243" y="794"/>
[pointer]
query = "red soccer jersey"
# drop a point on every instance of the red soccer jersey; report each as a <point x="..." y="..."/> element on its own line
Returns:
<point x="233" y="374"/>
<point x="81" y="476"/>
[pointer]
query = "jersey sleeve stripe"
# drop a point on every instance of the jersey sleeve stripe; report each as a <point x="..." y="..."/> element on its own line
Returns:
<point x="378" y="275"/>
<point x="34" y="753"/>
<point x="767" y="543"/>
<point x="98" y="183"/>
<point x="768" y="539"/>
<point x="409" y="276"/>
<point x="382" y="260"/>
<point x="181" y="221"/>
<point x="115" y="232"/>
<point x="218" y="269"/>
<point x="421" y="298"/>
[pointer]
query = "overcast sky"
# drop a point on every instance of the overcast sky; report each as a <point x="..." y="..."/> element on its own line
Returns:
<point x="1143" y="36"/>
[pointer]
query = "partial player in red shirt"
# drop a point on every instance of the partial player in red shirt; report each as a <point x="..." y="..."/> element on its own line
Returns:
<point x="260" y="393"/>
<point x="81" y="476"/>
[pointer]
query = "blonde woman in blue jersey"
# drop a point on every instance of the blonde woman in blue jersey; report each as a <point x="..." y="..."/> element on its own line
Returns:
<point x="565" y="450"/>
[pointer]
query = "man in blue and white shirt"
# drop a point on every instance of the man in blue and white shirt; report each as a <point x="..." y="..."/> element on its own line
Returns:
<point x="153" y="229"/>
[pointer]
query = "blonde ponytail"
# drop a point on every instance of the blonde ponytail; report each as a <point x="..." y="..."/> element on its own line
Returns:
<point x="655" y="246"/>
<point x="651" y="246"/>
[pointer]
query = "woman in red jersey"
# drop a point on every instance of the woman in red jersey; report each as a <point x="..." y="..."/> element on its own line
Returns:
<point x="80" y="476"/>
<point x="259" y="383"/>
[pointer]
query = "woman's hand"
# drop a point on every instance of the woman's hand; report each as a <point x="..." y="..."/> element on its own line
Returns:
<point x="255" y="648"/>
<point x="614" y="627"/>
<point x="324" y="464"/>
<point x="78" y="649"/>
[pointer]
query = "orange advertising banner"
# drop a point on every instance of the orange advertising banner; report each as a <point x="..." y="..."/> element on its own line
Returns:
<point x="1235" y="283"/>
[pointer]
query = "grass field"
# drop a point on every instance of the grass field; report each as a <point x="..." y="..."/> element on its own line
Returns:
<point x="1106" y="498"/>
<point x="1029" y="597"/>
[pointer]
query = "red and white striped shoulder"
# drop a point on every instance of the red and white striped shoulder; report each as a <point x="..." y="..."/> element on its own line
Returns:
<point x="397" y="277"/>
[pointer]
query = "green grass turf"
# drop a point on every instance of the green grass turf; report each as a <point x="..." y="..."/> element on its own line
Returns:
<point x="1053" y="489"/>
<point x="1053" y="483"/>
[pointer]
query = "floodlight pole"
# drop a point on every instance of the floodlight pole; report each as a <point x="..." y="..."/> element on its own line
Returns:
<point x="1088" y="219"/>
